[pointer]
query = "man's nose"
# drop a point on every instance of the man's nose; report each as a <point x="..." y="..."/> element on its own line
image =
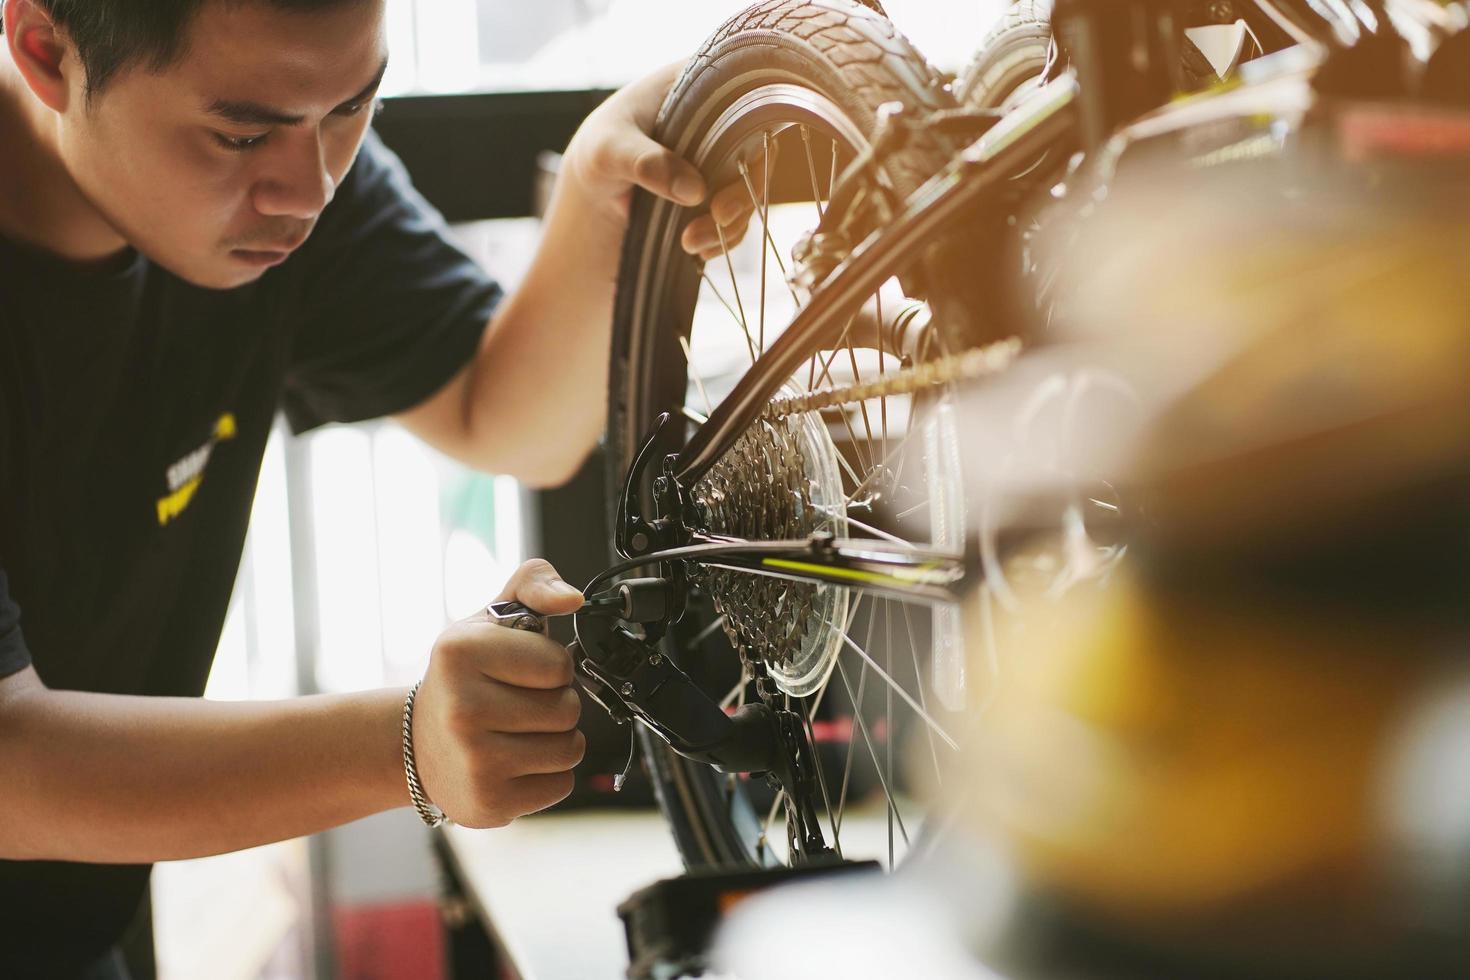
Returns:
<point x="296" y="182"/>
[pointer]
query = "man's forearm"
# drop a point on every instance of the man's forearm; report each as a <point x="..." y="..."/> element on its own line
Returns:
<point x="104" y="778"/>
<point x="533" y="401"/>
<point x="538" y="391"/>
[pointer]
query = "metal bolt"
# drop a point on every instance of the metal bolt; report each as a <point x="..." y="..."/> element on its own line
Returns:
<point x="655" y="659"/>
<point x="640" y="541"/>
<point x="627" y="689"/>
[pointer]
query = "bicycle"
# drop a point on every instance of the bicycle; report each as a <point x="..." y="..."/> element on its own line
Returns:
<point x="796" y="477"/>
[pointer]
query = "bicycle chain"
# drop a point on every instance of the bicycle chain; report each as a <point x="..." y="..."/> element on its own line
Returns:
<point x="966" y="366"/>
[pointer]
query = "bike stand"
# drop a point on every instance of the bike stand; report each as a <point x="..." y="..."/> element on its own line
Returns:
<point x="671" y="923"/>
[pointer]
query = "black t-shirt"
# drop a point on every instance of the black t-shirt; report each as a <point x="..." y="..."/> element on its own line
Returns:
<point x="134" y="410"/>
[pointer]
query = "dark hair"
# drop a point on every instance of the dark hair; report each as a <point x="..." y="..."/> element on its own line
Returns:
<point x="110" y="35"/>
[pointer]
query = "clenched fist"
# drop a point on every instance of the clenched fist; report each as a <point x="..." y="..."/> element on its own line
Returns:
<point x="495" y="722"/>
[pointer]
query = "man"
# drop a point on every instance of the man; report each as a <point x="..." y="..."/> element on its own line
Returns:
<point x="196" y="230"/>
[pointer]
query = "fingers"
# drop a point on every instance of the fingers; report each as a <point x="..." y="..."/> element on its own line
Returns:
<point x="515" y="657"/>
<point x="731" y="208"/>
<point x="496" y="797"/>
<point x="536" y="584"/>
<point x="513" y="755"/>
<point x="517" y="710"/>
<point x="532" y="793"/>
<point x="700" y="236"/>
<point x="629" y="154"/>
<point x="496" y="719"/>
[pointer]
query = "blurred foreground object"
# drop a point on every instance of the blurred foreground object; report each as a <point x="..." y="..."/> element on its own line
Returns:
<point x="1245" y="751"/>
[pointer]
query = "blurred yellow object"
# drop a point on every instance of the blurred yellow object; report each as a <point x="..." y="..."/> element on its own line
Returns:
<point x="1162" y="756"/>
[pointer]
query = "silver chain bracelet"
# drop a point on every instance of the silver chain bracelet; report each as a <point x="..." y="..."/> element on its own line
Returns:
<point x="430" y="814"/>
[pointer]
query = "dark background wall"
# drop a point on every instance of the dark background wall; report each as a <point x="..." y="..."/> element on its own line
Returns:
<point x="474" y="156"/>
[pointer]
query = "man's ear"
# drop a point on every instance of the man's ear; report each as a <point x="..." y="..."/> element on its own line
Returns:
<point x="40" y="50"/>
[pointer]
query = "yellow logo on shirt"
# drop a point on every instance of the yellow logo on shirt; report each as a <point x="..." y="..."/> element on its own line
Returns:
<point x="185" y="476"/>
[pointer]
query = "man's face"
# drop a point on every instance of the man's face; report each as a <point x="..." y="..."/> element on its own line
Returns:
<point x="219" y="166"/>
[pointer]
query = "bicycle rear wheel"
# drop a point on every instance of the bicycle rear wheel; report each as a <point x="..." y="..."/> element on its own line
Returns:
<point x="782" y="98"/>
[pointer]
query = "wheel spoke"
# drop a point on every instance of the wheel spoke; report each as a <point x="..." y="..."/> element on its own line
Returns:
<point x="848" y="466"/>
<point x="862" y="687"/>
<point x="883" y="401"/>
<point x="811" y="735"/>
<point x="813" y="380"/>
<point x="740" y="316"/>
<point x="857" y="378"/>
<point x="910" y="511"/>
<point x="765" y="222"/>
<point x="900" y="451"/>
<point x="811" y="169"/>
<point x="922" y="712"/>
<point x="832" y="177"/>
<point x="889" y="733"/>
<point x="876" y="532"/>
<point x="705" y="633"/>
<point x="760" y="845"/>
<point x="873" y="754"/>
<point x="816" y="700"/>
<point x="813" y="704"/>
<point x="767" y="240"/>
<point x="698" y="381"/>
<point x="735" y="691"/>
<point x="919" y="682"/>
<point x="765" y="236"/>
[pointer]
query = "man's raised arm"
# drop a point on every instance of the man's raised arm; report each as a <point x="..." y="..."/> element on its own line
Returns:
<point x="533" y="402"/>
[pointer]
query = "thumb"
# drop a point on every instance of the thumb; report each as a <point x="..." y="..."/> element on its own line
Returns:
<point x="537" y="585"/>
<point x="643" y="162"/>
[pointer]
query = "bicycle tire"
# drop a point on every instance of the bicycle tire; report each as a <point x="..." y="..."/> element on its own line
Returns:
<point x="1012" y="59"/>
<point x="858" y="60"/>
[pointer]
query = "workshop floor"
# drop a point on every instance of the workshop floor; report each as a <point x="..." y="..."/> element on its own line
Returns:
<point x="550" y="885"/>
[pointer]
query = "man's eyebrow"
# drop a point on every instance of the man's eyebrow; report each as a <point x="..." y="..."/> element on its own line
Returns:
<point x="371" y="88"/>
<point x="252" y="113"/>
<point x="256" y="114"/>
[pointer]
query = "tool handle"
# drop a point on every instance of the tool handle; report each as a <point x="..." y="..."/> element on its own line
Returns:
<point x="516" y="616"/>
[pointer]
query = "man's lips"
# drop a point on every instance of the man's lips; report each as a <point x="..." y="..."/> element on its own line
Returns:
<point x="282" y="246"/>
<point x="269" y="253"/>
<point x="260" y="257"/>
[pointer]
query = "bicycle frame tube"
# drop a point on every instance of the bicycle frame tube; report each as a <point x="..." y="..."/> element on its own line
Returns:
<point x="891" y="571"/>
<point x="981" y="169"/>
<point x="861" y="563"/>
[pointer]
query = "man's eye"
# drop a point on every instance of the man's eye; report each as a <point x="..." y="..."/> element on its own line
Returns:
<point x="357" y="107"/>
<point x="239" y="144"/>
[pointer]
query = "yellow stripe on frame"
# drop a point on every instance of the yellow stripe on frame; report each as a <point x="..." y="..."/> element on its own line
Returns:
<point x="923" y="575"/>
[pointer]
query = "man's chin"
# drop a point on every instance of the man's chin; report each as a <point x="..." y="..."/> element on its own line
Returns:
<point x="217" y="275"/>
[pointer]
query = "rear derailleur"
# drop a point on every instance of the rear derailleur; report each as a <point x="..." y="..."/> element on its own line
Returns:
<point x="621" y="667"/>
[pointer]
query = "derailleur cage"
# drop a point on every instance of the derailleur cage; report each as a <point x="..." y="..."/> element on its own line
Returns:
<point x="631" y="678"/>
